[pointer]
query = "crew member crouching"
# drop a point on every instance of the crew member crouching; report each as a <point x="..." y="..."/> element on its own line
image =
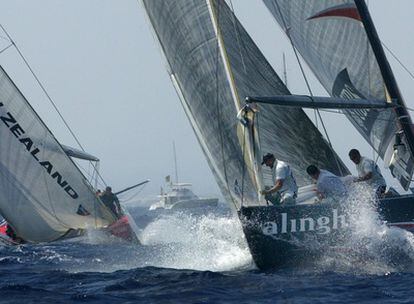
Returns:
<point x="328" y="185"/>
<point x="284" y="189"/>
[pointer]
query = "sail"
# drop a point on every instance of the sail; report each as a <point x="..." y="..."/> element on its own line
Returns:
<point x="214" y="65"/>
<point x="43" y="194"/>
<point x="331" y="37"/>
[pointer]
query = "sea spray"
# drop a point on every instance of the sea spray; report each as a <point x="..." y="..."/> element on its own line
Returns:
<point x="202" y="242"/>
<point x="370" y="246"/>
<point x="212" y="240"/>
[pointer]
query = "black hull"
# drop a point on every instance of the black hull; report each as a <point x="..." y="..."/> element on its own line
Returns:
<point x="281" y="236"/>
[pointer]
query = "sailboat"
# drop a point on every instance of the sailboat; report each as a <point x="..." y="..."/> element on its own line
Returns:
<point x="44" y="195"/>
<point x="215" y="65"/>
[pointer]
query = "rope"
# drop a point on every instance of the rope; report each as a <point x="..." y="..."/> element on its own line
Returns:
<point x="307" y="84"/>
<point x="140" y="189"/>
<point x="398" y="60"/>
<point x="6" y="48"/>
<point x="4" y="38"/>
<point x="44" y="90"/>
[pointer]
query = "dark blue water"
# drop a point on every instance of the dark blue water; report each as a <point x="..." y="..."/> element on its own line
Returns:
<point x="189" y="258"/>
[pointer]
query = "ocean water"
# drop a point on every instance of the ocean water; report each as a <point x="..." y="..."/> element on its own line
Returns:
<point x="203" y="258"/>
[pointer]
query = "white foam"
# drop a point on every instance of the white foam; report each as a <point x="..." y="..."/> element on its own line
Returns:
<point x="373" y="246"/>
<point x="206" y="242"/>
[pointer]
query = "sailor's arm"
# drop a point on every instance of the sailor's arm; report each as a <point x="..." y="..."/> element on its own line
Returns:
<point x="275" y="188"/>
<point x="364" y="178"/>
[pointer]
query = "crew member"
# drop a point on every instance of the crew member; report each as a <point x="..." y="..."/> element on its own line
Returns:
<point x="328" y="185"/>
<point x="284" y="184"/>
<point x="369" y="172"/>
<point x="111" y="201"/>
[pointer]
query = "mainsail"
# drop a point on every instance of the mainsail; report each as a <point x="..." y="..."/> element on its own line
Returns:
<point x="43" y="193"/>
<point x="331" y="36"/>
<point x="214" y="65"/>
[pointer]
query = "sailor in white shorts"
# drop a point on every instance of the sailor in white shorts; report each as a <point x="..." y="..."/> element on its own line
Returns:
<point x="283" y="181"/>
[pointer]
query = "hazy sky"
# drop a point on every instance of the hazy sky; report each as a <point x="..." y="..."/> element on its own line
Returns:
<point x="100" y="63"/>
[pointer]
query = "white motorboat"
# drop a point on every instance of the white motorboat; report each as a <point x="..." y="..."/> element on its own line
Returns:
<point x="181" y="196"/>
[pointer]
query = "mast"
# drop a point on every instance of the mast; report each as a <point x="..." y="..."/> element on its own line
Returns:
<point x="175" y="164"/>
<point x="404" y="118"/>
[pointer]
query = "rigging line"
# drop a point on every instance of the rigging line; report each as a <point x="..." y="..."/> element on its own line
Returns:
<point x="398" y="60"/>
<point x="4" y="38"/>
<point x="287" y="31"/>
<point x="43" y="89"/>
<point x="361" y="116"/>
<point x="256" y="67"/>
<point x="95" y="217"/>
<point x="87" y="172"/>
<point x="6" y="48"/>
<point x="330" y="144"/>
<point x="140" y="189"/>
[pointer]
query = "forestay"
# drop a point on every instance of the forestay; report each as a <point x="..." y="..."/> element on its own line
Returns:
<point x="43" y="193"/>
<point x="331" y="37"/>
<point x="214" y="65"/>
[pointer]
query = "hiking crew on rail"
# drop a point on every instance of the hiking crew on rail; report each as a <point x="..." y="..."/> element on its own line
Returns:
<point x="369" y="172"/>
<point x="284" y="189"/>
<point x="328" y="185"/>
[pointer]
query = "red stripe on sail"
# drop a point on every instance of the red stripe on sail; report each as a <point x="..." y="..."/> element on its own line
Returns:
<point x="346" y="12"/>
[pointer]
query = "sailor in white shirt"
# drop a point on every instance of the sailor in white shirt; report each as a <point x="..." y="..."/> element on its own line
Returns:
<point x="328" y="185"/>
<point x="369" y="172"/>
<point x="283" y="181"/>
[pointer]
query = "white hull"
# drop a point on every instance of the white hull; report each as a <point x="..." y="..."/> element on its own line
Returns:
<point x="186" y="204"/>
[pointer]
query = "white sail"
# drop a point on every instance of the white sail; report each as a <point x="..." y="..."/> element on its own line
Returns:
<point x="43" y="195"/>
<point x="214" y="65"/>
